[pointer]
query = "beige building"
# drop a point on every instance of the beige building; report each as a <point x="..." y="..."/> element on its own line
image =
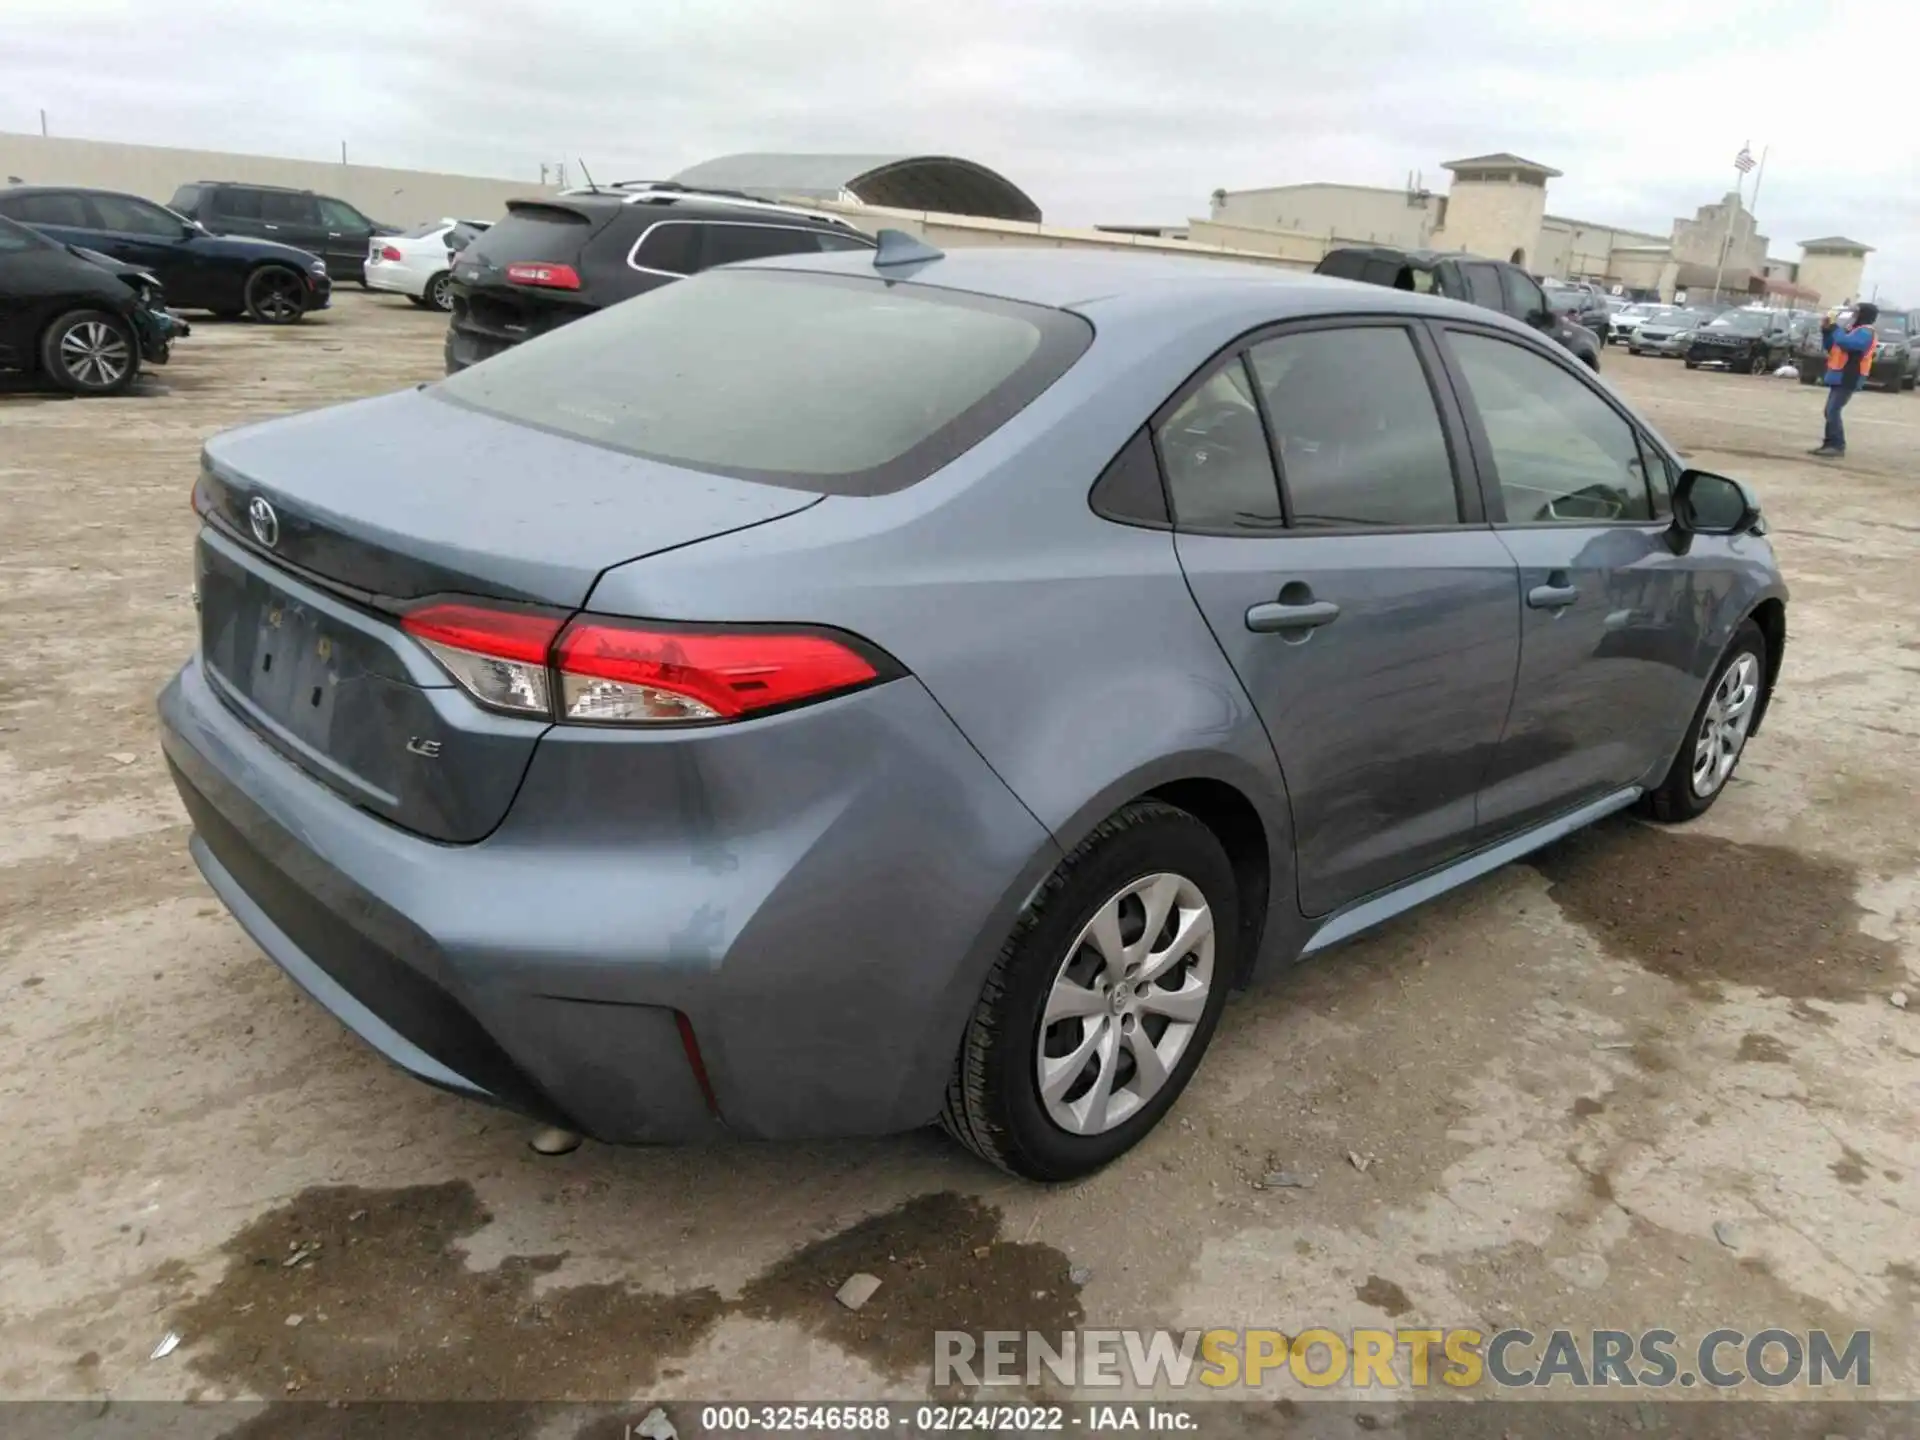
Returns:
<point x="1832" y="267"/>
<point x="1496" y="205"/>
<point x="397" y="197"/>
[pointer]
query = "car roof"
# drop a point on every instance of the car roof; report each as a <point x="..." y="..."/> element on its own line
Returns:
<point x="1077" y="279"/>
<point x="651" y="205"/>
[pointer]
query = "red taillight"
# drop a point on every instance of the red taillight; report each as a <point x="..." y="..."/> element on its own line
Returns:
<point x="618" y="673"/>
<point x="391" y="252"/>
<point x="553" y="277"/>
<point x="498" y="656"/>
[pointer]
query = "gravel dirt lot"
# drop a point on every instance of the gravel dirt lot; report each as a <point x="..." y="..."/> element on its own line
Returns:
<point x="1652" y="1078"/>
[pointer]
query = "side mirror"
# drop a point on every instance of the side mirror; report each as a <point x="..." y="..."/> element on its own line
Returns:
<point x="1709" y="504"/>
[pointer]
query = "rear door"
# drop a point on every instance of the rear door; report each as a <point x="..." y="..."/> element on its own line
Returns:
<point x="293" y="218"/>
<point x="141" y="234"/>
<point x="234" y="210"/>
<point x="1332" y="535"/>
<point x="60" y="215"/>
<point x="1608" y="633"/>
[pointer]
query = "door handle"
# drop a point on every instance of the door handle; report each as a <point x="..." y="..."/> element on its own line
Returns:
<point x="269" y="227"/>
<point x="1552" y="597"/>
<point x="1274" y="615"/>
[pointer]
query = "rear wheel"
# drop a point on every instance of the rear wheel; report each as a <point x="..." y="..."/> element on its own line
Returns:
<point x="276" y="295"/>
<point x="1718" y="735"/>
<point x="440" y="292"/>
<point x="1097" y="1012"/>
<point x="90" y="352"/>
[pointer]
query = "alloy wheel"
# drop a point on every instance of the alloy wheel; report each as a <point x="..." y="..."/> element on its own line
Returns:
<point x="440" y="292"/>
<point x="1125" y="1004"/>
<point x="95" y="354"/>
<point x="275" y="296"/>
<point x="1724" y="726"/>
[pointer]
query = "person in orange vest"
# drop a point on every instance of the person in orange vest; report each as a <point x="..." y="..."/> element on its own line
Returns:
<point x="1849" y="361"/>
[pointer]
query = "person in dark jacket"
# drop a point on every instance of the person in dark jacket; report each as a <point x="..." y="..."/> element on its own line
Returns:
<point x="1849" y="362"/>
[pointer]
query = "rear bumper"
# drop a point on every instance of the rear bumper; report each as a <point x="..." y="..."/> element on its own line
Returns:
<point x="395" y="278"/>
<point x="824" y="928"/>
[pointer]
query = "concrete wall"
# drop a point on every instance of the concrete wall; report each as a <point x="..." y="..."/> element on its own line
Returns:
<point x="1495" y="218"/>
<point x="954" y="231"/>
<point x="1836" y="278"/>
<point x="1650" y="269"/>
<point x="1353" y="212"/>
<point x="396" y="197"/>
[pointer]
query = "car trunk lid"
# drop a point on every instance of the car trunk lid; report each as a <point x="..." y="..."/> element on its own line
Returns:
<point x="324" y="528"/>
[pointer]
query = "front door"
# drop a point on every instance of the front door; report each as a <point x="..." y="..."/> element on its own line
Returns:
<point x="347" y="233"/>
<point x="143" y="234"/>
<point x="1608" y="631"/>
<point x="1368" y="611"/>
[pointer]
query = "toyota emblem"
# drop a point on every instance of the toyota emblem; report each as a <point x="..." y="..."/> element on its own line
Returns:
<point x="264" y="523"/>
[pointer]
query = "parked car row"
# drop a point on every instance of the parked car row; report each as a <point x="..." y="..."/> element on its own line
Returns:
<point x="1496" y="285"/>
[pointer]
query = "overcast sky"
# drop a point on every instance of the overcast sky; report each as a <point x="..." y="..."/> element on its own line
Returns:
<point x="1102" y="110"/>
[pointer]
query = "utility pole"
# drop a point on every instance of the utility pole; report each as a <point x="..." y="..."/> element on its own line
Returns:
<point x="343" y="152"/>
<point x="43" y="124"/>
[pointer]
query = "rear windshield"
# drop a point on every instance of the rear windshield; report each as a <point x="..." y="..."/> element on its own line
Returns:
<point x="821" y="382"/>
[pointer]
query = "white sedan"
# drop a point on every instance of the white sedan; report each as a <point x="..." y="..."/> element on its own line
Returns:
<point x="417" y="264"/>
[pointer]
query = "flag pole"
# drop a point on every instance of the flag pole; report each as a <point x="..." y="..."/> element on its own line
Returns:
<point x="1739" y="195"/>
<point x="1758" y="176"/>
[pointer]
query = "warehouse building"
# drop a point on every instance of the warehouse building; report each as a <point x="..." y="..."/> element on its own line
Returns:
<point x="1497" y="205"/>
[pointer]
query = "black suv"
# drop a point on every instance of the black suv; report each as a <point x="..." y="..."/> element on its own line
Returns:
<point x="1751" y="342"/>
<point x="1490" y="284"/>
<point x="227" y="274"/>
<point x="553" y="260"/>
<point x="329" y="228"/>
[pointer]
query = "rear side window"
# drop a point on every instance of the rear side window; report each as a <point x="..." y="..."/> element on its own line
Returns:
<point x="672" y="247"/>
<point x="185" y="199"/>
<point x="1214" y="451"/>
<point x="1354" y="421"/>
<point x="1483" y="286"/>
<point x="53" y="209"/>
<point x="830" y="383"/>
<point x="279" y="208"/>
<point x="726" y="244"/>
<point x="1524" y="296"/>
<point x="237" y="204"/>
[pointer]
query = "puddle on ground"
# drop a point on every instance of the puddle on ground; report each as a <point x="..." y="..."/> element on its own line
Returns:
<point x="1705" y="911"/>
<point x="388" y="1309"/>
<point x="1760" y="1048"/>
<point x="1383" y="1295"/>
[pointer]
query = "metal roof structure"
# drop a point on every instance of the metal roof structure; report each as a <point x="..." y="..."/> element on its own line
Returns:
<point x="1501" y="160"/>
<point x="945" y="183"/>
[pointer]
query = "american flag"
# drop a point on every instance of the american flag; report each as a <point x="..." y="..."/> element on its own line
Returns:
<point x="1743" y="162"/>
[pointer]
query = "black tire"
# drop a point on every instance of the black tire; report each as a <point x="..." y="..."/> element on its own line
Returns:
<point x="1693" y="364"/>
<point x="1677" y="799"/>
<point x="439" y="294"/>
<point x="417" y="300"/>
<point x="1757" y="365"/>
<point x="1808" y="377"/>
<point x="994" y="1106"/>
<point x="90" y="352"/>
<point x="276" y="295"/>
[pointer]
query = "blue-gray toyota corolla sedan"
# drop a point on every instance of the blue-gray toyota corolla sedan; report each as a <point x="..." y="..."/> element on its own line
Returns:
<point x="838" y="693"/>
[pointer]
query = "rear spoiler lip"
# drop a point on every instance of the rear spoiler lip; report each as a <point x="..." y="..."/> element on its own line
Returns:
<point x="564" y="207"/>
